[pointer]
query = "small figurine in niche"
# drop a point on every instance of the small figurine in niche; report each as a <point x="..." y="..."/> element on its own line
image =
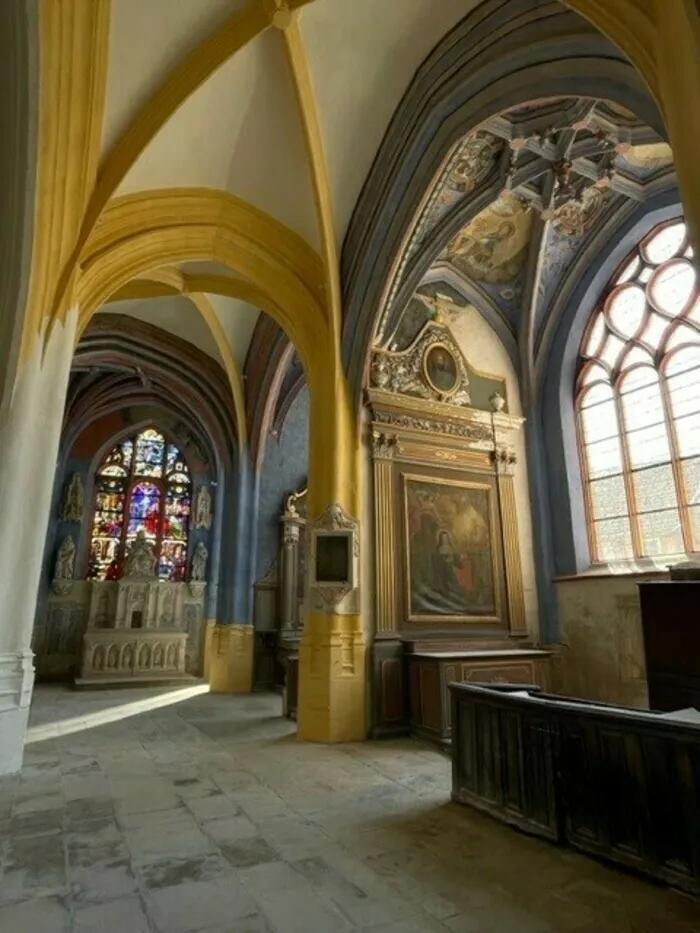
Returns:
<point x="63" y="573"/>
<point x="198" y="570"/>
<point x="73" y="500"/>
<point x="202" y="512"/>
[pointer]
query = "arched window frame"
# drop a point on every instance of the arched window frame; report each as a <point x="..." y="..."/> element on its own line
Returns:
<point x="602" y="362"/>
<point x="174" y="482"/>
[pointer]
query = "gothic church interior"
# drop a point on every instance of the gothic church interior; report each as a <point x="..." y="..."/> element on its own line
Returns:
<point x="350" y="350"/>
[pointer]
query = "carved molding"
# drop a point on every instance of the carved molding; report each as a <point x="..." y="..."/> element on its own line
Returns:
<point x="471" y="431"/>
<point x="383" y="445"/>
<point x="504" y="460"/>
<point x="406" y="372"/>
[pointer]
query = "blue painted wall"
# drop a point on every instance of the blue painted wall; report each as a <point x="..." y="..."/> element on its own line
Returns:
<point x="284" y="470"/>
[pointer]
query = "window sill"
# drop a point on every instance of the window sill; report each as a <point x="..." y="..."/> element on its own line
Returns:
<point x="624" y="570"/>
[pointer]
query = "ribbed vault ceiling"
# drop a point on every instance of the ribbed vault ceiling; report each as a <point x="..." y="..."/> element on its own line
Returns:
<point x="505" y="216"/>
<point x="512" y="206"/>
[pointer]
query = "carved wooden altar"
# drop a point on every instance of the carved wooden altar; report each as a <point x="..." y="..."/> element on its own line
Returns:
<point x="435" y="454"/>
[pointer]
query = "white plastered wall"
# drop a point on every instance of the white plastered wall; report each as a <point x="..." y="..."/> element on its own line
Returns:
<point x="29" y="440"/>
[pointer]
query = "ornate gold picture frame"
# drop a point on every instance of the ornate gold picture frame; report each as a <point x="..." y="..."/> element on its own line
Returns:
<point x="441" y="369"/>
<point x="451" y="550"/>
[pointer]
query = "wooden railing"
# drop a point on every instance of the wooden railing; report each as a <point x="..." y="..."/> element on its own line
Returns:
<point x="615" y="782"/>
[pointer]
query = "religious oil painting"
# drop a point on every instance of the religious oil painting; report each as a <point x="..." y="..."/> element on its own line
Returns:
<point x="441" y="369"/>
<point x="450" y="550"/>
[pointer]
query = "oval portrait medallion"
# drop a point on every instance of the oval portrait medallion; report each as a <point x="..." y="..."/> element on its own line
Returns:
<point x="441" y="369"/>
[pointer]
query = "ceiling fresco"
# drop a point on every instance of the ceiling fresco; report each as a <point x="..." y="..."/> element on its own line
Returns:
<point x="517" y="199"/>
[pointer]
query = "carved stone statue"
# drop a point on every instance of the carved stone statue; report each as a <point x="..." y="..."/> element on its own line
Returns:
<point x="63" y="572"/>
<point x="202" y="508"/>
<point x="73" y="500"/>
<point x="198" y="569"/>
<point x="141" y="561"/>
<point x="497" y="402"/>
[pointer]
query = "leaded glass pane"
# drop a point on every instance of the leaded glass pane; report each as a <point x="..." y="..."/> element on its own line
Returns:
<point x="648" y="446"/>
<point x="661" y="533"/>
<point x="629" y="271"/>
<point x="684" y="390"/>
<point x="683" y="361"/>
<point x="691" y="476"/>
<point x="107" y="524"/>
<point x="172" y="563"/>
<point x="608" y="499"/>
<point x="636" y="355"/>
<point x="682" y="335"/>
<point x="144" y="511"/>
<point x="695" y="525"/>
<point x="626" y="310"/>
<point x="173" y="455"/>
<point x="614" y="539"/>
<point x="596" y="395"/>
<point x="599" y="422"/>
<point x="688" y="435"/>
<point x="673" y="287"/>
<point x="654" y="488"/>
<point x="694" y="313"/>
<point x="654" y="331"/>
<point x="594" y="373"/>
<point x="640" y="396"/>
<point x="611" y="351"/>
<point x="150" y="451"/>
<point x="595" y="337"/>
<point x="118" y="460"/>
<point x="664" y="244"/>
<point x="604" y="457"/>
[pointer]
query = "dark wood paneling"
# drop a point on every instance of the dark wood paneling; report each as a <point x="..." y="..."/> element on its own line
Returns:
<point x="431" y="673"/>
<point x="389" y="689"/>
<point x="670" y="612"/>
<point x="617" y="783"/>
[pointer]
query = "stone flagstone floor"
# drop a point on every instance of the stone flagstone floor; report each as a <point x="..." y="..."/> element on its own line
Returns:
<point x="165" y="811"/>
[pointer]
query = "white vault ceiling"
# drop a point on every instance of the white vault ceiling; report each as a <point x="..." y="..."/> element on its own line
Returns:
<point x="241" y="131"/>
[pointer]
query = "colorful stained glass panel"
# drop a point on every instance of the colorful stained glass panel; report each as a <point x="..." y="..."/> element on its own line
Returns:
<point x="150" y="452"/>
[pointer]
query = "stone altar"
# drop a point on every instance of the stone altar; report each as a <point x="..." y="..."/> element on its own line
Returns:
<point x="139" y="628"/>
<point x="137" y="631"/>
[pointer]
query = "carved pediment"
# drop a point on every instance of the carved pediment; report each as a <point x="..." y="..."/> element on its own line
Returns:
<point x="432" y="367"/>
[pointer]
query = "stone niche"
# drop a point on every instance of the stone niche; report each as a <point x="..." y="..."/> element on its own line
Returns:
<point x="138" y="631"/>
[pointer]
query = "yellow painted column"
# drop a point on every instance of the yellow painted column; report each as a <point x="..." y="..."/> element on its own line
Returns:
<point x="332" y="671"/>
<point x="678" y="77"/>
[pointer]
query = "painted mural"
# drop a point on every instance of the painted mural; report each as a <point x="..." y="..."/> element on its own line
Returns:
<point x="493" y="246"/>
<point x="449" y="549"/>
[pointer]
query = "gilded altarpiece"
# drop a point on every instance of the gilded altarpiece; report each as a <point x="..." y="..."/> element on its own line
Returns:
<point x="449" y="588"/>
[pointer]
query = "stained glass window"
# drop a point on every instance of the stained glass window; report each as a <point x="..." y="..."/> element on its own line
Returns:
<point x="143" y="484"/>
<point x="638" y="405"/>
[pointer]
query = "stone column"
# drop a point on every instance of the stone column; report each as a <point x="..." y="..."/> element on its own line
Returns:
<point x="29" y="441"/>
<point x="332" y="669"/>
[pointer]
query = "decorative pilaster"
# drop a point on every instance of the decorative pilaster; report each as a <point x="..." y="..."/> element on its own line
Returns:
<point x="504" y="460"/>
<point x="383" y="447"/>
<point x="289" y="573"/>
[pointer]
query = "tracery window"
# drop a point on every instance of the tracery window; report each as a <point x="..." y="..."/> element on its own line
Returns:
<point x="142" y="484"/>
<point x="638" y="405"/>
